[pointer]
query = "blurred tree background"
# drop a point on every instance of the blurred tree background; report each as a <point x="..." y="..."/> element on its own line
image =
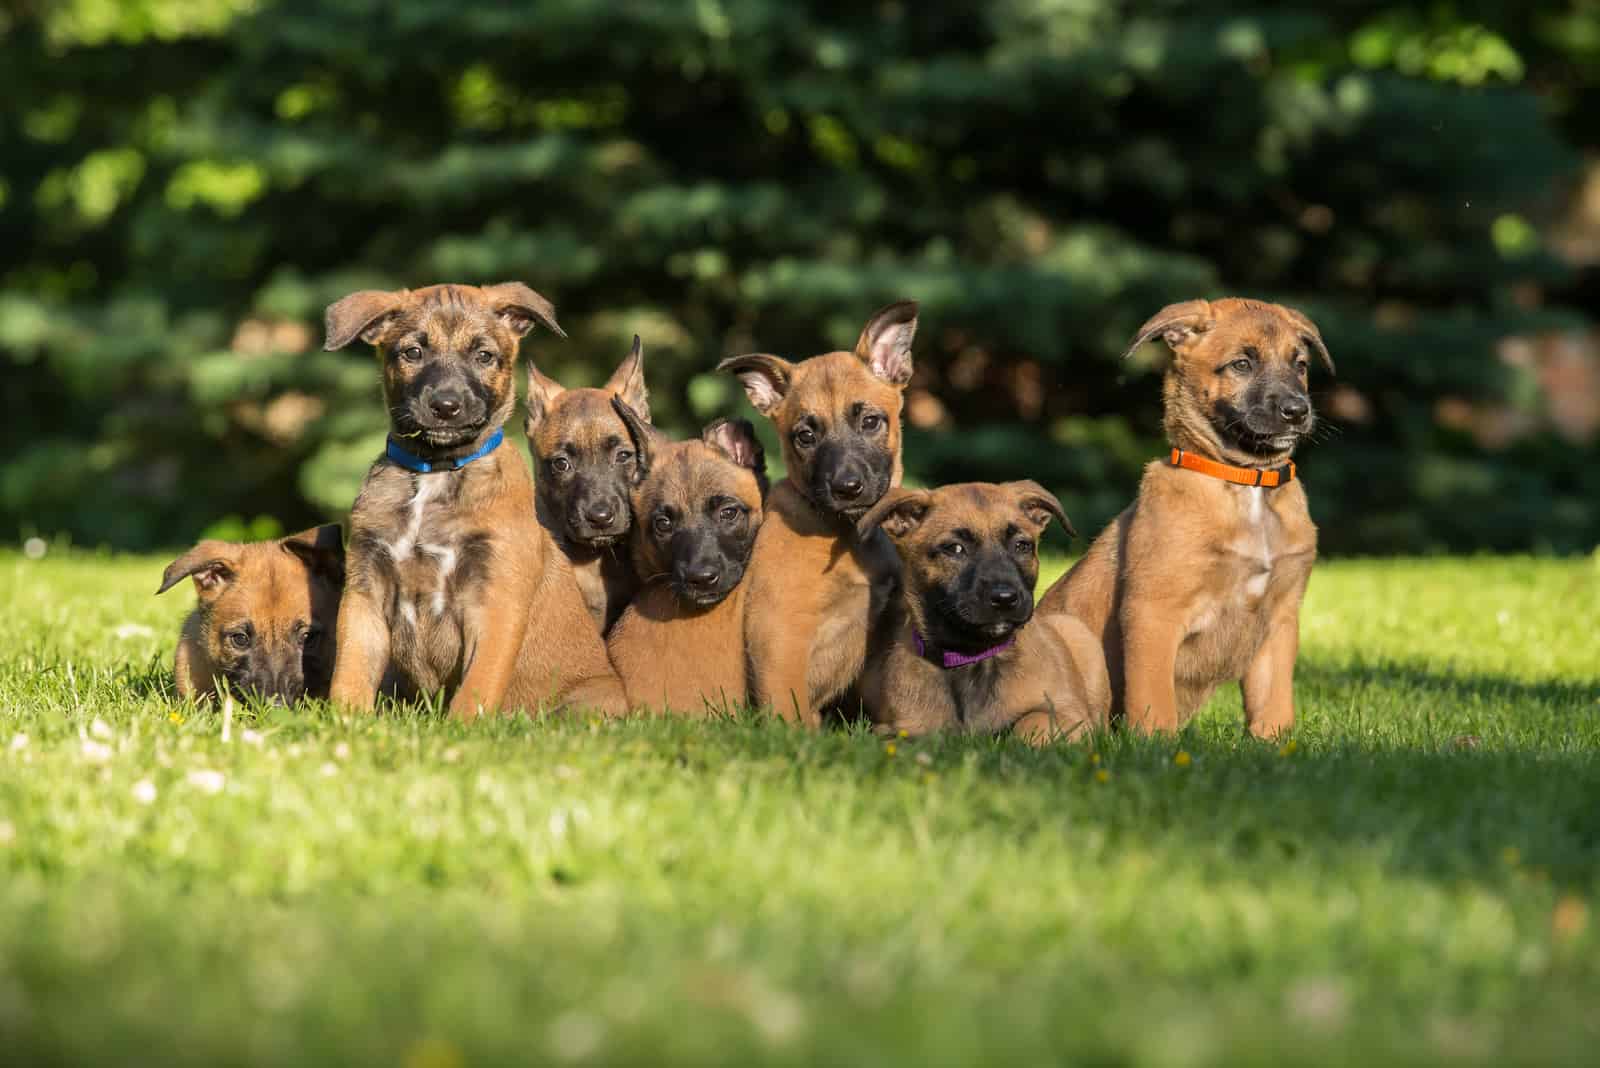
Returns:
<point x="185" y="184"/>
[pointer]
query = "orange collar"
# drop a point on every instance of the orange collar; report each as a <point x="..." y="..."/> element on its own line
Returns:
<point x="1243" y="476"/>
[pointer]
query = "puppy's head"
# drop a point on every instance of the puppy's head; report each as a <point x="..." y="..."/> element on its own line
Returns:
<point x="268" y="610"/>
<point x="970" y="557"/>
<point x="838" y="414"/>
<point x="1239" y="379"/>
<point x="447" y="353"/>
<point x="584" y="456"/>
<point x="698" y="506"/>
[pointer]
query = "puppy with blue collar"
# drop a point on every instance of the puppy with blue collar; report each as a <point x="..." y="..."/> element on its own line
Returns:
<point x="452" y="585"/>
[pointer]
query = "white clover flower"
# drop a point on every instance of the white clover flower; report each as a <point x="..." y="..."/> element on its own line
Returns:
<point x="144" y="791"/>
<point x="207" y="781"/>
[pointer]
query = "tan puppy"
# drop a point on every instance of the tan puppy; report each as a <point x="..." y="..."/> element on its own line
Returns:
<point x="817" y="589"/>
<point x="1199" y="581"/>
<point x="266" y="617"/>
<point x="586" y="468"/>
<point x="679" y="646"/>
<point x="965" y="655"/>
<point x="453" y="585"/>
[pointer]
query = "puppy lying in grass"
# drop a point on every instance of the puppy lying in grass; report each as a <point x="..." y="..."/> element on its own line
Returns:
<point x="679" y="646"/>
<point x="266" y="617"/>
<point x="966" y="652"/>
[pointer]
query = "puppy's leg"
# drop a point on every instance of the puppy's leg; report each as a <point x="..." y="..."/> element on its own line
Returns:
<point x="780" y="661"/>
<point x="1268" y="682"/>
<point x="361" y="651"/>
<point x="191" y="667"/>
<point x="493" y="638"/>
<point x="1088" y="658"/>
<point x="601" y="693"/>
<point x="1151" y="634"/>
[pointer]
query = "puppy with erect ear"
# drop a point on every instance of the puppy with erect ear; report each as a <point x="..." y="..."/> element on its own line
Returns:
<point x="967" y="653"/>
<point x="265" y="619"/>
<point x="679" y="647"/>
<point x="1199" y="582"/>
<point x="585" y="469"/>
<point x="454" y="587"/>
<point x="819" y="588"/>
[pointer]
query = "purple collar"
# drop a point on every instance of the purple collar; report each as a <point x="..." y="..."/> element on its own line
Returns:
<point x="954" y="660"/>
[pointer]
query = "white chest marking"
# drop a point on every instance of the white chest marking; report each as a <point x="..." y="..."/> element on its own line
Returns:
<point x="1256" y="544"/>
<point x="406" y="543"/>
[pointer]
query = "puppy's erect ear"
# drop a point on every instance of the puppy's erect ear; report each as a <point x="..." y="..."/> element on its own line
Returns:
<point x="736" y="439"/>
<point x="645" y="437"/>
<point x="363" y="313"/>
<point x="627" y="381"/>
<point x="765" y="378"/>
<point x="1176" y="324"/>
<point x="899" y="513"/>
<point x="322" y="549"/>
<point x="518" y="307"/>
<point x="542" y="392"/>
<point x="885" y="342"/>
<point x="1039" y="504"/>
<point x="1310" y="335"/>
<point x="212" y="563"/>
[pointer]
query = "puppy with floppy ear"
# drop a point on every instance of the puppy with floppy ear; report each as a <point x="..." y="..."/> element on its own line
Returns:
<point x="967" y="652"/>
<point x="453" y="584"/>
<point x="585" y="469"/>
<point x="265" y="620"/>
<point x="679" y="647"/>
<point x="818" y="589"/>
<point x="1199" y="581"/>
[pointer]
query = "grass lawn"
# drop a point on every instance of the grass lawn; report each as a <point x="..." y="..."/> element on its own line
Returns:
<point x="1415" y="878"/>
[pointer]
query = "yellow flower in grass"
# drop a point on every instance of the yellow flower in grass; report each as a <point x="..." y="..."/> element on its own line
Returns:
<point x="889" y="749"/>
<point x="1181" y="758"/>
<point x="1094" y="758"/>
<point x="1288" y="748"/>
<point x="1102" y="775"/>
<point x="174" y="717"/>
<point x="904" y="733"/>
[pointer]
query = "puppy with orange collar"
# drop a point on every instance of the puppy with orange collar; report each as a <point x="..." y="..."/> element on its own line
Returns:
<point x="1199" y="582"/>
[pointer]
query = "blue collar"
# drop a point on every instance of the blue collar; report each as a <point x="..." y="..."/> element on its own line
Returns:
<point x="422" y="467"/>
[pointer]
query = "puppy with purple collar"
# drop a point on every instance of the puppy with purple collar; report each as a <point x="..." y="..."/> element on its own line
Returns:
<point x="967" y="653"/>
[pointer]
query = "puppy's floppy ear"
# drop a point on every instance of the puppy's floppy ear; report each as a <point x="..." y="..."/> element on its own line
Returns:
<point x="518" y="307"/>
<point x="212" y="563"/>
<point x="627" y="381"/>
<point x="1176" y="324"/>
<point x="736" y="439"/>
<point x="322" y="549"/>
<point x="765" y="378"/>
<point x="542" y="392"/>
<point x="885" y="342"/>
<point x="645" y="437"/>
<point x="1039" y="504"/>
<point x="363" y="313"/>
<point x="899" y="513"/>
<point x="1310" y="335"/>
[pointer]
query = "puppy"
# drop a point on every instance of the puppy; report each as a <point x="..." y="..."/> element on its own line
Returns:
<point x="585" y="467"/>
<point x="265" y="621"/>
<point x="680" y="645"/>
<point x="1199" y="581"/>
<point x="965" y="655"/>
<point x="818" y="589"/>
<point x="453" y="585"/>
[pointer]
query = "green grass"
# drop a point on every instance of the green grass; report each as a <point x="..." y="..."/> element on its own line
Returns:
<point x="1415" y="880"/>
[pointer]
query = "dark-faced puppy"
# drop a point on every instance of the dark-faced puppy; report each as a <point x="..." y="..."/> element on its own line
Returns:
<point x="818" y="589"/>
<point x="266" y="617"/>
<point x="453" y="585"/>
<point x="680" y="645"/>
<point x="968" y="654"/>
<point x="1199" y="581"/>
<point x="586" y="468"/>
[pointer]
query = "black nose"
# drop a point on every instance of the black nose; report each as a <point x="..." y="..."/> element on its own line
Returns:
<point x="1294" y="409"/>
<point x="1004" y="595"/>
<point x="445" y="405"/>
<point x="847" y="488"/>
<point x="702" y="576"/>
<point x="600" y="515"/>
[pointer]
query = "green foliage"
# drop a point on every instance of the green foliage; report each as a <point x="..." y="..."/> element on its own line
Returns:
<point x="184" y="186"/>
<point x="1415" y="881"/>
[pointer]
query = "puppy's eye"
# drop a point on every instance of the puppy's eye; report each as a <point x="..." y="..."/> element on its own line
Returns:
<point x="1242" y="364"/>
<point x="560" y="464"/>
<point x="730" y="513"/>
<point x="410" y="354"/>
<point x="1302" y="366"/>
<point x="956" y="549"/>
<point x="1022" y="545"/>
<point x="624" y="456"/>
<point x="805" y="437"/>
<point x="238" y="639"/>
<point x="486" y="358"/>
<point x="662" y="525"/>
<point x="310" y="634"/>
<point x="871" y="422"/>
